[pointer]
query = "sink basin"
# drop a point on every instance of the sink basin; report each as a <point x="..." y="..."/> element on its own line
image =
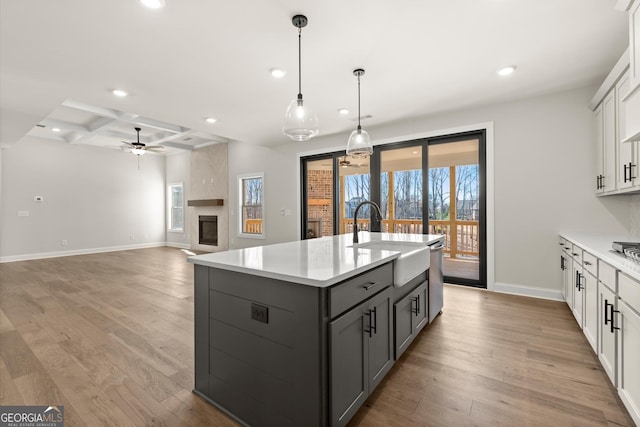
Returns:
<point x="414" y="258"/>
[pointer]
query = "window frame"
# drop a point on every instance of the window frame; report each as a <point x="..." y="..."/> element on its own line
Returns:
<point x="170" y="207"/>
<point x="241" y="179"/>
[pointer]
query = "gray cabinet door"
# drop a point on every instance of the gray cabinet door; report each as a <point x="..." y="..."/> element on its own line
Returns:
<point x="349" y="364"/>
<point x="403" y="327"/>
<point x="381" y="341"/>
<point x="420" y="316"/>
<point x="410" y="316"/>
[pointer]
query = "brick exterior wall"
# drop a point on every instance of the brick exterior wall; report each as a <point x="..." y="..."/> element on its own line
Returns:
<point x="320" y="187"/>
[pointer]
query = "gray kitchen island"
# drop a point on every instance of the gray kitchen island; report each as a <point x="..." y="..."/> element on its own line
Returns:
<point x="300" y="333"/>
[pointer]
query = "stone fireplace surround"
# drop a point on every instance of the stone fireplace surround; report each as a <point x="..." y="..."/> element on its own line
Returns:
<point x="209" y="180"/>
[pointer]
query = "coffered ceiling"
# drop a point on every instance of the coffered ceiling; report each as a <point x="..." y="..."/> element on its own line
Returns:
<point x="60" y="61"/>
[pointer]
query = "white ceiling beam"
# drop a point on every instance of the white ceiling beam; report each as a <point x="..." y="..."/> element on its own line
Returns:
<point x="156" y="124"/>
<point x="63" y="125"/>
<point x="100" y="111"/>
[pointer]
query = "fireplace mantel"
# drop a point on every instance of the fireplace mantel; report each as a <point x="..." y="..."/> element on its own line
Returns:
<point x="206" y="202"/>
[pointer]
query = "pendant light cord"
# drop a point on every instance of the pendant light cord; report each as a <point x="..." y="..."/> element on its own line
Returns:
<point x="299" y="63"/>
<point x="359" y="127"/>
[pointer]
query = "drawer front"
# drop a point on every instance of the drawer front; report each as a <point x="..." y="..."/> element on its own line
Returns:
<point x="607" y="275"/>
<point x="629" y="291"/>
<point x="576" y="253"/>
<point x="351" y="292"/>
<point x="590" y="263"/>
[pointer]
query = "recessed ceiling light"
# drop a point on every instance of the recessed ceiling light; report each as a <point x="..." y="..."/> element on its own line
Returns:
<point x="55" y="129"/>
<point x="506" y="70"/>
<point x="210" y="120"/>
<point x="121" y="93"/>
<point x="415" y="152"/>
<point x="153" y="4"/>
<point x="343" y="111"/>
<point x="278" y="73"/>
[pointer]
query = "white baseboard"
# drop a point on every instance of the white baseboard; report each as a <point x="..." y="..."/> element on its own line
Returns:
<point x="508" y="288"/>
<point x="178" y="245"/>
<point x="43" y="255"/>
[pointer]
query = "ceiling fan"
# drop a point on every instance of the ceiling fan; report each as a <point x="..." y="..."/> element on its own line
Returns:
<point x="138" y="148"/>
<point x="344" y="163"/>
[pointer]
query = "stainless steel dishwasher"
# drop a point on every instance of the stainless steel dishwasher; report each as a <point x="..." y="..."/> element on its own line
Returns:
<point x="436" y="280"/>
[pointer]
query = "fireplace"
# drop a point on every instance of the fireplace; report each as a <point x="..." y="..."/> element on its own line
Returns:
<point x="314" y="228"/>
<point x="208" y="230"/>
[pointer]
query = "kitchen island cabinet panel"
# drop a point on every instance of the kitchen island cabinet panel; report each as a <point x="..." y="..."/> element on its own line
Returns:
<point x="255" y="364"/>
<point x="411" y="316"/>
<point x="361" y="354"/>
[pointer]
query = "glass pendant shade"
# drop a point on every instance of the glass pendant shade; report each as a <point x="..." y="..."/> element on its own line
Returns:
<point x="300" y="122"/>
<point x="137" y="151"/>
<point x="359" y="144"/>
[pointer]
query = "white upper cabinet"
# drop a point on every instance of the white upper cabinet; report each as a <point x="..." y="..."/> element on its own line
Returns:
<point x="634" y="44"/>
<point x="628" y="168"/>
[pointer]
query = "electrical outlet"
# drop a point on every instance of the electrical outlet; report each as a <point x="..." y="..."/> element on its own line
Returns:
<point x="260" y="313"/>
<point x="23" y="213"/>
<point x="64" y="242"/>
<point x="132" y="236"/>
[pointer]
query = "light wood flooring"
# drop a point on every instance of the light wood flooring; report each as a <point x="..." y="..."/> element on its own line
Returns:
<point x="110" y="337"/>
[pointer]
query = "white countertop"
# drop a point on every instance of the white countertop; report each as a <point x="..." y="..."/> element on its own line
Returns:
<point x="315" y="262"/>
<point x="599" y="245"/>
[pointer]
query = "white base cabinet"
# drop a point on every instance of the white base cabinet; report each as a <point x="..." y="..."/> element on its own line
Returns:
<point x="629" y="360"/>
<point x="628" y="320"/>
<point x="607" y="343"/>
<point x="590" y="316"/>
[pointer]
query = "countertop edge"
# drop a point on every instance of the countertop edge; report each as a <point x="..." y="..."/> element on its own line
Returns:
<point x="299" y="279"/>
<point x="618" y="261"/>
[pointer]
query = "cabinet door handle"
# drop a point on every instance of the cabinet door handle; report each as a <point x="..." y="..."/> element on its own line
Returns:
<point x="370" y="330"/>
<point x="416" y="310"/>
<point x="625" y="172"/>
<point x="602" y="181"/>
<point x="370" y="285"/>
<point x="613" y="328"/>
<point x="375" y="320"/>
<point x="587" y="263"/>
<point x="606" y="311"/>
<point x="631" y="177"/>
<point x="598" y="182"/>
<point x="561" y="263"/>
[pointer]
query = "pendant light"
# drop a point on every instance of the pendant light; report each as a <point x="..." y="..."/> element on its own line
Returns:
<point x="359" y="144"/>
<point x="300" y="123"/>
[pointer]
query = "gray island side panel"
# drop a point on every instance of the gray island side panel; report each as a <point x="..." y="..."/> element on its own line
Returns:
<point x="270" y="373"/>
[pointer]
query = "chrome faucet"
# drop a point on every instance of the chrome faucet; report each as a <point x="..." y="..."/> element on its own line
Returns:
<point x="355" y="217"/>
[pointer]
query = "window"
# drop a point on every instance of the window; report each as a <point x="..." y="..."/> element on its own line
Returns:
<point x="176" y="207"/>
<point x="251" y="197"/>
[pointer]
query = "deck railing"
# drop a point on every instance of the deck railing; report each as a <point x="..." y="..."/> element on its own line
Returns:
<point x="252" y="226"/>
<point x="465" y="233"/>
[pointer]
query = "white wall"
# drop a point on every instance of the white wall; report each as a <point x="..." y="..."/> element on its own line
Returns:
<point x="177" y="171"/>
<point x="94" y="198"/>
<point x="280" y="178"/>
<point x="544" y="174"/>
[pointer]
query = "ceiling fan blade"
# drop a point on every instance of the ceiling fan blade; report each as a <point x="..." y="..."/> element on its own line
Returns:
<point x="128" y="143"/>
<point x="154" y="148"/>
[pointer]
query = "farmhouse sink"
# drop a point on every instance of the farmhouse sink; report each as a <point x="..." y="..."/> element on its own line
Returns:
<point x="414" y="258"/>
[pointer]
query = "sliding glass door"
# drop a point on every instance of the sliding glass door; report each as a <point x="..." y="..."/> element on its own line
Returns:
<point x="426" y="186"/>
